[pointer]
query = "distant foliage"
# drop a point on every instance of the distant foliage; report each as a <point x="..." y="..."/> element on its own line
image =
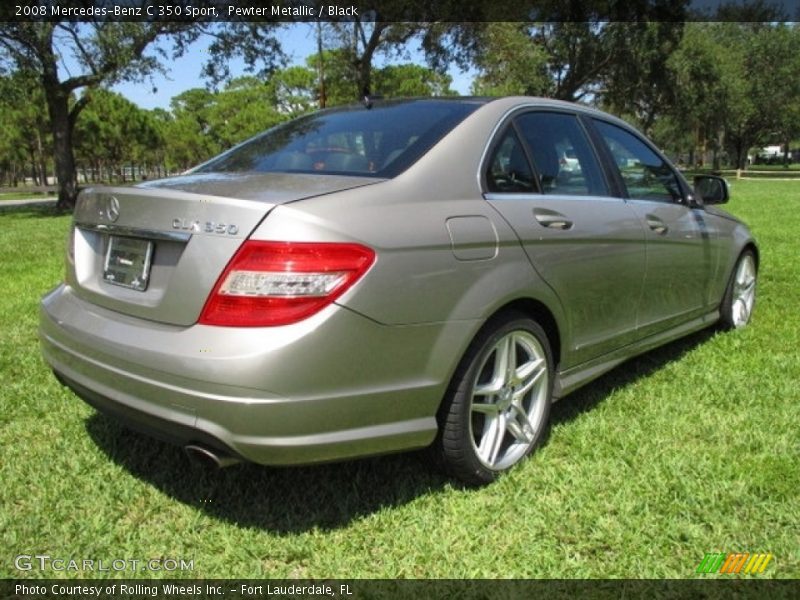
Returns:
<point x="115" y="139"/>
<point x="739" y="87"/>
<point x="25" y="138"/>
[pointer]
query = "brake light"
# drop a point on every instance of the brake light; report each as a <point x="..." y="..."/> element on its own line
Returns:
<point x="278" y="283"/>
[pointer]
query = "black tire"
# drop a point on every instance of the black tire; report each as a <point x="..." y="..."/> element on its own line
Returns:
<point x="738" y="302"/>
<point x="480" y="440"/>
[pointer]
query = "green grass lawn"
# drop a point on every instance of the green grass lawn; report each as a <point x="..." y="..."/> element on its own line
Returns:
<point x="689" y="449"/>
<point x="780" y="167"/>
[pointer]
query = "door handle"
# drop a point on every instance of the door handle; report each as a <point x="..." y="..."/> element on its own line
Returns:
<point x="551" y="219"/>
<point x="656" y="225"/>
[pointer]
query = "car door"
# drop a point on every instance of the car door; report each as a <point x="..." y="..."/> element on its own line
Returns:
<point x="587" y="244"/>
<point x="679" y="240"/>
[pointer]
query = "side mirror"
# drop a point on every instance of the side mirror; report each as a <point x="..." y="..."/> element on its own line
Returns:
<point x="711" y="189"/>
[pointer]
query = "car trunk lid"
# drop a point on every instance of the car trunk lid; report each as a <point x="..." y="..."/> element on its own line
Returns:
<point x="155" y="251"/>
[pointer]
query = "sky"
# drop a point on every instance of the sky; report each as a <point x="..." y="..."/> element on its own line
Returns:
<point x="298" y="42"/>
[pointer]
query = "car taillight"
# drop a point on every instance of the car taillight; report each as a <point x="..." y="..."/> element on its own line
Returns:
<point x="277" y="283"/>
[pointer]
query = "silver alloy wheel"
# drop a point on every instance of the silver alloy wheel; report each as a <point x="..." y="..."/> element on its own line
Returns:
<point x="509" y="398"/>
<point x="744" y="291"/>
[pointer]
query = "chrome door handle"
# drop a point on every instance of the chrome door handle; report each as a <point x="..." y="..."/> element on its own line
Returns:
<point x="551" y="219"/>
<point x="656" y="225"/>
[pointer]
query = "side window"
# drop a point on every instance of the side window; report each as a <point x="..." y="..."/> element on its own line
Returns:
<point x="562" y="155"/>
<point x="645" y="174"/>
<point x="509" y="170"/>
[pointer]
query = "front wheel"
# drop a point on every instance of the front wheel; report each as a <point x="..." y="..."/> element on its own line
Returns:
<point x="740" y="296"/>
<point x="498" y="404"/>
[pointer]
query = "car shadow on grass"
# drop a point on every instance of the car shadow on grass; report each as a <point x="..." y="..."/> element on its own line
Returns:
<point x="298" y="499"/>
<point x="283" y="500"/>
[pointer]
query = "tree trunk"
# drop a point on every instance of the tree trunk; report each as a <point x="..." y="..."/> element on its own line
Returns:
<point x="58" y="108"/>
<point x="363" y="63"/>
<point x="42" y="157"/>
<point x="323" y="96"/>
<point x="34" y="167"/>
<point x="718" y="146"/>
<point x="741" y="154"/>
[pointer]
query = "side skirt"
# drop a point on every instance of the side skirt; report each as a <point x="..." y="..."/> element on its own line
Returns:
<point x="571" y="379"/>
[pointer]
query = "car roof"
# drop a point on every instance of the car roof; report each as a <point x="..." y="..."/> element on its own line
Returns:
<point x="504" y="103"/>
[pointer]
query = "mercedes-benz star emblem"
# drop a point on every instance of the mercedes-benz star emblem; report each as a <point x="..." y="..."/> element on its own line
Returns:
<point x="112" y="209"/>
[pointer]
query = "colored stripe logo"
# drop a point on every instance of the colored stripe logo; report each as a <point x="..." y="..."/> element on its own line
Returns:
<point x="734" y="562"/>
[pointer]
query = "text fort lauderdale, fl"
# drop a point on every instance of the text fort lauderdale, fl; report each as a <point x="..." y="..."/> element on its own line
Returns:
<point x="142" y="589"/>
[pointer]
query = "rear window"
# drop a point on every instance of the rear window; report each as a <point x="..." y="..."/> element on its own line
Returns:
<point x="379" y="142"/>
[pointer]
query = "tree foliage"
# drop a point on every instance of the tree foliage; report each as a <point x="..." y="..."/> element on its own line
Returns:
<point x="112" y="132"/>
<point x="363" y="39"/>
<point x="253" y="42"/>
<point x="739" y="85"/>
<point x="391" y="81"/>
<point x="409" y="80"/>
<point x="510" y="62"/>
<point x="24" y="136"/>
<point x="640" y="83"/>
<point x="246" y="107"/>
<point x="105" y="52"/>
<point x="294" y="90"/>
<point x="570" y="51"/>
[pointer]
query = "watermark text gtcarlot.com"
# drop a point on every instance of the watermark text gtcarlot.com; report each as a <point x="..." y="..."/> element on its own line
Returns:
<point x="45" y="562"/>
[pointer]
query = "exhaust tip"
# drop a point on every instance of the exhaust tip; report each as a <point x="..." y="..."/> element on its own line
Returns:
<point x="208" y="457"/>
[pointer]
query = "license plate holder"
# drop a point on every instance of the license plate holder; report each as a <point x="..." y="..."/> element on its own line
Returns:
<point x="127" y="262"/>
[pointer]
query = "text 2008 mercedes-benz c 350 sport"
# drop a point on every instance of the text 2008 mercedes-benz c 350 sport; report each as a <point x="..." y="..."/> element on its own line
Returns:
<point x="390" y="276"/>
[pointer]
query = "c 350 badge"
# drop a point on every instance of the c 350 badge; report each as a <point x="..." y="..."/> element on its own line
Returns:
<point x="207" y="227"/>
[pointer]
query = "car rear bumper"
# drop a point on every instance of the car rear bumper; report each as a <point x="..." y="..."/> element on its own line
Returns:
<point x="273" y="395"/>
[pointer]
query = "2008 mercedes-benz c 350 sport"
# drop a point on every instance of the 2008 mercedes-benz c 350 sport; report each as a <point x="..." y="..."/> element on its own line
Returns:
<point x="387" y="277"/>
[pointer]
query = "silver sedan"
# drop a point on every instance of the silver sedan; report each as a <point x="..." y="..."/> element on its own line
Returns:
<point x="390" y="276"/>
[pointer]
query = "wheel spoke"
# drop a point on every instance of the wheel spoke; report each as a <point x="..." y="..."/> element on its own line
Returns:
<point x="749" y="296"/>
<point x="511" y="358"/>
<point x="500" y="435"/>
<point x="494" y="431"/>
<point x="750" y="270"/>
<point x="485" y="408"/>
<point x="489" y="389"/>
<point x="528" y="374"/>
<point x="740" y="275"/>
<point x="742" y="311"/>
<point x="520" y="427"/>
<point x="745" y="286"/>
<point x="502" y="359"/>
